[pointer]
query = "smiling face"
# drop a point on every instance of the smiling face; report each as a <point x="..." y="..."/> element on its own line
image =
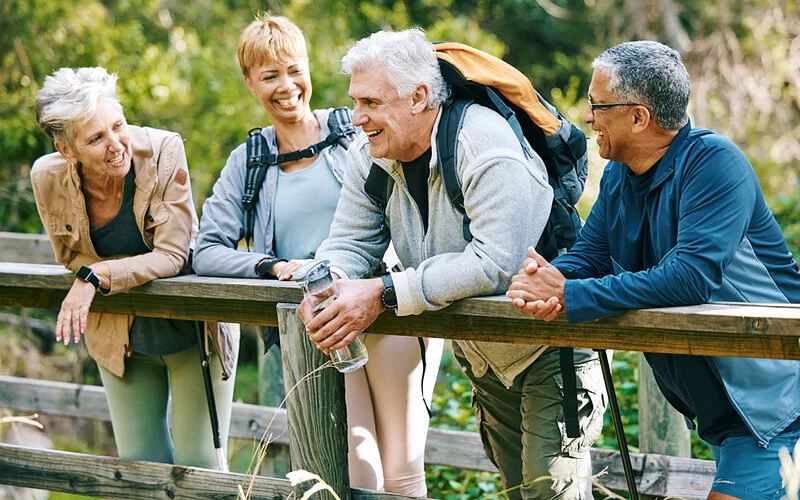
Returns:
<point x="396" y="126"/>
<point x="612" y="125"/>
<point x="100" y="144"/>
<point x="283" y="87"/>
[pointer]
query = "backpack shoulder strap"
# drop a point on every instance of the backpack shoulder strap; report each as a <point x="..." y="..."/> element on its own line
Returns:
<point x="342" y="133"/>
<point x="378" y="187"/>
<point x="258" y="160"/>
<point x="450" y="125"/>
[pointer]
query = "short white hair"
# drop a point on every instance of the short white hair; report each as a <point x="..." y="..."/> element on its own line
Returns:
<point x="70" y="96"/>
<point x="408" y="59"/>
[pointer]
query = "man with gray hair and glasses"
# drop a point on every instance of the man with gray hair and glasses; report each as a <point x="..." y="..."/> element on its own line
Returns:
<point x="680" y="220"/>
<point x="398" y="94"/>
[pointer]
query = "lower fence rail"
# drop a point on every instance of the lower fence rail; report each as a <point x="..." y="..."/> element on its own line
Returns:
<point x="656" y="475"/>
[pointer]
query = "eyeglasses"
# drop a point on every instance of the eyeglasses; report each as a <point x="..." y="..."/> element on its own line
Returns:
<point x="594" y="106"/>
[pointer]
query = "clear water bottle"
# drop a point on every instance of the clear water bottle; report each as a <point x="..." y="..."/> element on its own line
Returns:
<point x="319" y="288"/>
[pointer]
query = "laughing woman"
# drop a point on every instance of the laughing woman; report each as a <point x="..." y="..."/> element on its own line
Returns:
<point x="116" y="203"/>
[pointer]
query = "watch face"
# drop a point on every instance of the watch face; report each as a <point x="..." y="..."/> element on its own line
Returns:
<point x="388" y="297"/>
<point x="86" y="274"/>
<point x="83" y="273"/>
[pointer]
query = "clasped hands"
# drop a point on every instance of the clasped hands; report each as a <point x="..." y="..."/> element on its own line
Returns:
<point x="538" y="288"/>
<point x="356" y="307"/>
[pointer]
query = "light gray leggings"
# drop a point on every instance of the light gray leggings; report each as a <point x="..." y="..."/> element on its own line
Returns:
<point x="386" y="416"/>
<point x="138" y="405"/>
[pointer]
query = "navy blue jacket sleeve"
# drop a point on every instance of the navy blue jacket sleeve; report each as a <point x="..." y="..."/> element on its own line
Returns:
<point x="589" y="256"/>
<point x="716" y="191"/>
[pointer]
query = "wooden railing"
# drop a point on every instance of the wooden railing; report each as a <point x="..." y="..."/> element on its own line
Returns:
<point x="745" y="330"/>
<point x="674" y="477"/>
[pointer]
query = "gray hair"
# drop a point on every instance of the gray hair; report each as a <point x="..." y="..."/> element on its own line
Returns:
<point x="70" y="96"/>
<point x="652" y="74"/>
<point x="408" y="58"/>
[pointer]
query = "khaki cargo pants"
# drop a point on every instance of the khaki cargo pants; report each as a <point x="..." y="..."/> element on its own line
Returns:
<point x="522" y="427"/>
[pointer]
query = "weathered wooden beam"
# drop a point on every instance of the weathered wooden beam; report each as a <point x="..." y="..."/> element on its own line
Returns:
<point x="721" y="329"/>
<point x="21" y="247"/>
<point x="314" y="405"/>
<point x="680" y="478"/>
<point x="115" y="478"/>
<point x="64" y="399"/>
<point x="108" y="477"/>
<point x="657" y="475"/>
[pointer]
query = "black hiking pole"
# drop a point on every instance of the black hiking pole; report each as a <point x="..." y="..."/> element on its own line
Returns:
<point x="222" y="461"/>
<point x="616" y="418"/>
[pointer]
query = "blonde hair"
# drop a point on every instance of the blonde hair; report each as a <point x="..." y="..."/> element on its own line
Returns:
<point x="270" y="38"/>
<point x="70" y="96"/>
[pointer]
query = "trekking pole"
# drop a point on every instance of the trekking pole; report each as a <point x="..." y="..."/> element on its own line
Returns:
<point x="222" y="461"/>
<point x="616" y="418"/>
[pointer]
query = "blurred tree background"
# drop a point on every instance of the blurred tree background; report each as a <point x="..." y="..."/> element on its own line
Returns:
<point x="178" y="70"/>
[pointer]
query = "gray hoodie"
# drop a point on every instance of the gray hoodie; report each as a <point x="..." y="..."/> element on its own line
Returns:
<point x="507" y="198"/>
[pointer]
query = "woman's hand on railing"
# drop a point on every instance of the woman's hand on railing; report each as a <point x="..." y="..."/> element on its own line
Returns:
<point x="285" y="269"/>
<point x="74" y="311"/>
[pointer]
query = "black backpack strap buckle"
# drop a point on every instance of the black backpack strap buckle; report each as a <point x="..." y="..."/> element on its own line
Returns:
<point x="247" y="200"/>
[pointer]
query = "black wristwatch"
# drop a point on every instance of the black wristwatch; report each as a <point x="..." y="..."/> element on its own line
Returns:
<point x="264" y="268"/>
<point x="388" y="297"/>
<point x="86" y="274"/>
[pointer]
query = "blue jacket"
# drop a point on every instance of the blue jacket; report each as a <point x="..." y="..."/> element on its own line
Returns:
<point x="703" y="233"/>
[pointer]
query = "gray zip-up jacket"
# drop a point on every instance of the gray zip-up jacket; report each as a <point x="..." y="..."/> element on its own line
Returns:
<point x="507" y="198"/>
<point x="222" y="221"/>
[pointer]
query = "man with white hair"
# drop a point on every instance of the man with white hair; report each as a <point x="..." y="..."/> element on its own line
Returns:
<point x="680" y="220"/>
<point x="398" y="92"/>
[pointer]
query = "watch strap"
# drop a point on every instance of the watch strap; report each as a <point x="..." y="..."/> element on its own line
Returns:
<point x="264" y="266"/>
<point x="388" y="297"/>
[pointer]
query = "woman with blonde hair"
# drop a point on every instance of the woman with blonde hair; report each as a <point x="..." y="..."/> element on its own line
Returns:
<point x="116" y="202"/>
<point x="386" y="414"/>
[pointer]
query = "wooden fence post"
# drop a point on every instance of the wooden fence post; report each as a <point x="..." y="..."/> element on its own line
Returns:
<point x="662" y="429"/>
<point x="315" y="406"/>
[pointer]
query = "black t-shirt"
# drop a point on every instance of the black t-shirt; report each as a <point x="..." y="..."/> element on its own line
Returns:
<point x="416" y="173"/>
<point x="121" y="236"/>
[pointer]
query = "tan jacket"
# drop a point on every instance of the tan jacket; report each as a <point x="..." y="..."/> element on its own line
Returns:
<point x="166" y="218"/>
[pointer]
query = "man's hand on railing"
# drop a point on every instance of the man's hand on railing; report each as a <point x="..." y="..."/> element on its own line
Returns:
<point x="74" y="311"/>
<point x="538" y="288"/>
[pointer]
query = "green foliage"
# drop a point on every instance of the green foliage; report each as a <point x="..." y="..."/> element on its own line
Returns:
<point x="625" y="367"/>
<point x="787" y="212"/>
<point x="245" y="387"/>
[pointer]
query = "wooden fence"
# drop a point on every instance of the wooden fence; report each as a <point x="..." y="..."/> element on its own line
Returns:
<point x="749" y="330"/>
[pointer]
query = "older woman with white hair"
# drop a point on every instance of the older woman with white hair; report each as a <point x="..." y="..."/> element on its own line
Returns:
<point x="116" y="202"/>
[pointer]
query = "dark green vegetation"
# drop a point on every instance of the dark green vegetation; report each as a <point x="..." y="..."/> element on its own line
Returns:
<point x="178" y="70"/>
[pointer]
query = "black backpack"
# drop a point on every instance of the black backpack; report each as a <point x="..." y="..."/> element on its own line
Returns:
<point x="259" y="159"/>
<point x="474" y="76"/>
